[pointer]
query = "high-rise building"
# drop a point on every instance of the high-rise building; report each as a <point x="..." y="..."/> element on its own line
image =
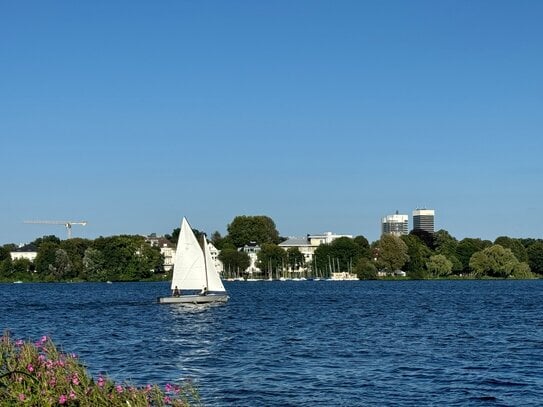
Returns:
<point x="395" y="224"/>
<point x="424" y="219"/>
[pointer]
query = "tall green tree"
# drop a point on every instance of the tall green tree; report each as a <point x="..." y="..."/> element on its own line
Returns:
<point x="233" y="260"/>
<point x="515" y="245"/>
<point x="295" y="258"/>
<point x="439" y="265"/>
<point x="535" y="256"/>
<point x="46" y="257"/>
<point x="259" y="229"/>
<point x="271" y="258"/>
<point x="495" y="261"/>
<point x="391" y="253"/>
<point x="418" y="254"/>
<point x="466" y="248"/>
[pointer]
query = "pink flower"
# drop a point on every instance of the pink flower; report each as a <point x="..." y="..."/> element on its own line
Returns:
<point x="119" y="388"/>
<point x="30" y="368"/>
<point x="41" y="358"/>
<point x="22" y="397"/>
<point x="168" y="387"/>
<point x="72" y="395"/>
<point x="75" y="379"/>
<point x="19" y="342"/>
<point x="62" y="399"/>
<point x="101" y="381"/>
<point x="43" y="339"/>
<point x="167" y="400"/>
<point x="148" y="388"/>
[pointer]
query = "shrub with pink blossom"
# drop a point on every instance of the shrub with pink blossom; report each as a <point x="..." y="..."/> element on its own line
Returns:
<point x="38" y="374"/>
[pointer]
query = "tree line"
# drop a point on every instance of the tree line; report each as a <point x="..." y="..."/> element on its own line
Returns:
<point x="419" y="254"/>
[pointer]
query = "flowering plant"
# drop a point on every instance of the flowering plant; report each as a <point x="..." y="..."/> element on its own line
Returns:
<point x="38" y="374"/>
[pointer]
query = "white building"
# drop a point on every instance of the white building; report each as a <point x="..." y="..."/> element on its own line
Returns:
<point x="167" y="249"/>
<point x="396" y="224"/>
<point x="252" y="250"/>
<point x="28" y="252"/>
<point x="307" y="245"/>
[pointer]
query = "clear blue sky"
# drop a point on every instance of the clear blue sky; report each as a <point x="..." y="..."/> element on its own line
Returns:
<point x="324" y="115"/>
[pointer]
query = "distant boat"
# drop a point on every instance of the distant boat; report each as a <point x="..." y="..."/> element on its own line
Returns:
<point x="195" y="279"/>
<point x="17" y="282"/>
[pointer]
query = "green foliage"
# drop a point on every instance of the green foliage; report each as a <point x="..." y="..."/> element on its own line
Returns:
<point x="46" y="257"/>
<point x="496" y="261"/>
<point x="515" y="245"/>
<point x="466" y="248"/>
<point x="418" y="253"/>
<point x="39" y="375"/>
<point x="391" y="253"/>
<point x="295" y="258"/>
<point x="259" y="229"/>
<point x="535" y="256"/>
<point x="339" y="256"/>
<point x="271" y="258"/>
<point x="425" y="237"/>
<point x="234" y="260"/>
<point x="365" y="269"/>
<point x="439" y="265"/>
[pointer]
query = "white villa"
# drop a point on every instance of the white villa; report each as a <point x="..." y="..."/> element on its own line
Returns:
<point x="307" y="245"/>
<point x="28" y="252"/>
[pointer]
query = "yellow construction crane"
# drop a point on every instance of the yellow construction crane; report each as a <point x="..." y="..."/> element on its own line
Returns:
<point x="67" y="224"/>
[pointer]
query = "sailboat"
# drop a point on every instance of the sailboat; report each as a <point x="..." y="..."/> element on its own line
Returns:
<point x="195" y="279"/>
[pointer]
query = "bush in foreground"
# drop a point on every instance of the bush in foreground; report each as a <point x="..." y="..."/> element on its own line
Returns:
<point x="38" y="374"/>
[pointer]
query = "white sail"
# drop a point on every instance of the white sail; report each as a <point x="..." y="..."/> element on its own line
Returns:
<point x="189" y="267"/>
<point x="213" y="277"/>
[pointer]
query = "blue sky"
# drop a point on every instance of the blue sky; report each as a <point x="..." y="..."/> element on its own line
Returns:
<point x="323" y="115"/>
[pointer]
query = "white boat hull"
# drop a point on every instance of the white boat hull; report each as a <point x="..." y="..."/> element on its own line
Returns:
<point x="194" y="299"/>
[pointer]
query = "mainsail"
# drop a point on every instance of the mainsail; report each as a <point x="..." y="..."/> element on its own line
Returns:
<point x="189" y="268"/>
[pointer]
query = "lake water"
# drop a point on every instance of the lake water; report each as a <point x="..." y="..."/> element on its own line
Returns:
<point x="352" y="343"/>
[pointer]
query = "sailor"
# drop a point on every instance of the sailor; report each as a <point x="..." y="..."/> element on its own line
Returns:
<point x="204" y="291"/>
<point x="176" y="292"/>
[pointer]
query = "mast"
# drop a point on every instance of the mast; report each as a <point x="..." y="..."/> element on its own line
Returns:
<point x="205" y="259"/>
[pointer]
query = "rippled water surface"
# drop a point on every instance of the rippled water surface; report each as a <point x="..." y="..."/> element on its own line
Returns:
<point x="352" y="343"/>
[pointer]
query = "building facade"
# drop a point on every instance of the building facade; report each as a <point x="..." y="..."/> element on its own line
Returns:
<point x="396" y="225"/>
<point x="307" y="245"/>
<point x="424" y="219"/>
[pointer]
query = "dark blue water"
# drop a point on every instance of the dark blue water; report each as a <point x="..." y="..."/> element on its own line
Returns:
<point x="414" y="343"/>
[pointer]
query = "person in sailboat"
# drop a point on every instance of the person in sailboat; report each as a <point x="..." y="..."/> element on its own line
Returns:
<point x="204" y="291"/>
<point x="176" y="292"/>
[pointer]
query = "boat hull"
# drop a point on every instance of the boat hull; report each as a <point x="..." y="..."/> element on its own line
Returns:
<point x="194" y="299"/>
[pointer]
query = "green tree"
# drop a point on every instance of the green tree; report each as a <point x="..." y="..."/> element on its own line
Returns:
<point x="46" y="257"/>
<point x="425" y="237"/>
<point x="363" y="245"/>
<point x="515" y="245"/>
<point x="271" y="258"/>
<point x="233" y="260"/>
<point x="46" y="239"/>
<point x="535" y="256"/>
<point x="295" y="258"/>
<point x="339" y="256"/>
<point x="495" y="261"/>
<point x="439" y="265"/>
<point x="466" y="248"/>
<point x="93" y="265"/>
<point x="75" y="249"/>
<point x="365" y="269"/>
<point x="418" y="254"/>
<point x="259" y="229"/>
<point x="391" y="253"/>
